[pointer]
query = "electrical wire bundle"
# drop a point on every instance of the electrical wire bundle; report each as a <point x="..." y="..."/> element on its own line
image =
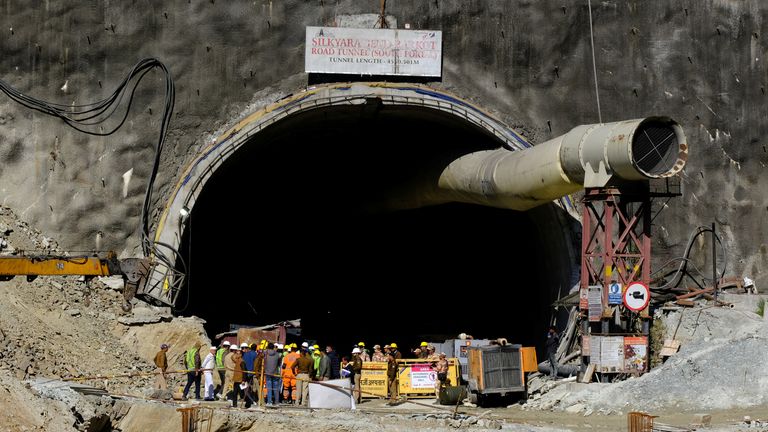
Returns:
<point x="685" y="261"/>
<point x="85" y="118"/>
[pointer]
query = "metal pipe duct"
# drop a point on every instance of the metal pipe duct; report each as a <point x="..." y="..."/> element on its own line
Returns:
<point x="587" y="156"/>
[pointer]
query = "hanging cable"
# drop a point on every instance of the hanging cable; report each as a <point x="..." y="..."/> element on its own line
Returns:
<point x="685" y="260"/>
<point x="594" y="66"/>
<point x="85" y="117"/>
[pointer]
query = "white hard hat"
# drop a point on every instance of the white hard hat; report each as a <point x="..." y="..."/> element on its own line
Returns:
<point x="305" y="345"/>
<point x="234" y="348"/>
<point x="214" y="348"/>
<point x="243" y="345"/>
<point x="278" y="346"/>
<point x="356" y="350"/>
<point x="226" y="343"/>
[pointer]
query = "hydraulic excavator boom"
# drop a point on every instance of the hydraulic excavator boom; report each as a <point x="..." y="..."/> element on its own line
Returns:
<point x="133" y="270"/>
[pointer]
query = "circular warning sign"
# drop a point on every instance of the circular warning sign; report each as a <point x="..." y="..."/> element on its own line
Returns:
<point x="637" y="296"/>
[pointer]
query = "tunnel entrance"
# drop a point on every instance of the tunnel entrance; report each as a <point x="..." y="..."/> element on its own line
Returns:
<point x="332" y="216"/>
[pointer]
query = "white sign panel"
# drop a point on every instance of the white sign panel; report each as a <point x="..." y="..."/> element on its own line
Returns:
<point x="611" y="354"/>
<point x="373" y="51"/>
<point x="423" y="376"/>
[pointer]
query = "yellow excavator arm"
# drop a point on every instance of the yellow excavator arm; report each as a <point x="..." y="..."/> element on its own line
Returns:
<point x="133" y="270"/>
<point x="55" y="266"/>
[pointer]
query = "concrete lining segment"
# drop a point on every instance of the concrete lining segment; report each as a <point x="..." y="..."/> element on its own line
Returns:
<point x="203" y="166"/>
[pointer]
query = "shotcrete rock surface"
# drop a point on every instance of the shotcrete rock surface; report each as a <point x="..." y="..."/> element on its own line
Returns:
<point x="527" y="62"/>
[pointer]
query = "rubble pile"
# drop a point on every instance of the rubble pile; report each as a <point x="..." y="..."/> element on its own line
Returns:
<point x="722" y="364"/>
<point x="62" y="328"/>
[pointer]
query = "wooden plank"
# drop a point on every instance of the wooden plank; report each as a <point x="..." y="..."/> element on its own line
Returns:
<point x="687" y="303"/>
<point x="588" y="374"/>
<point x="671" y="346"/>
<point x="694" y="293"/>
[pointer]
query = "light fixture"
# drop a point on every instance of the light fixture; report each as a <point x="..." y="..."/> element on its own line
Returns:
<point x="183" y="214"/>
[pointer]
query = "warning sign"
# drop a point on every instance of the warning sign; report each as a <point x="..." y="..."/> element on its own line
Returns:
<point x="422" y="376"/>
<point x="637" y="296"/>
<point x="614" y="294"/>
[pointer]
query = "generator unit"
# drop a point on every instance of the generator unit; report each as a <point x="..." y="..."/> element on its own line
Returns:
<point x="495" y="371"/>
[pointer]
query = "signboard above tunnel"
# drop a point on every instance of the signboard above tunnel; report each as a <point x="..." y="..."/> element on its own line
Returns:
<point x="338" y="50"/>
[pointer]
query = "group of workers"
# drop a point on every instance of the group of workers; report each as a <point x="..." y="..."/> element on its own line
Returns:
<point x="282" y="373"/>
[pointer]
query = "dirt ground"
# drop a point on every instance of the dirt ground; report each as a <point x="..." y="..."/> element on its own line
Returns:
<point x="377" y="415"/>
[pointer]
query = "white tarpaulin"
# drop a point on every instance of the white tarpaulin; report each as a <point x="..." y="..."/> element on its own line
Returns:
<point x="324" y="396"/>
<point x="373" y="51"/>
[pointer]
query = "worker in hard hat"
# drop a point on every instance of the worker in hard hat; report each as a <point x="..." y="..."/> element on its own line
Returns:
<point x="192" y="364"/>
<point x="364" y="356"/>
<point x="394" y="351"/>
<point x="392" y="376"/>
<point x="208" y="366"/>
<point x="259" y="383"/>
<point x="302" y="369"/>
<point x="289" y="377"/>
<point x="220" y="354"/>
<point x="316" y="356"/>
<point x="227" y="387"/>
<point x="357" y="370"/>
<point x="423" y="350"/>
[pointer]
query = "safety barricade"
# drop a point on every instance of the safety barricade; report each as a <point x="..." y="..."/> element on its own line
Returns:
<point x="417" y="378"/>
<point x="373" y="379"/>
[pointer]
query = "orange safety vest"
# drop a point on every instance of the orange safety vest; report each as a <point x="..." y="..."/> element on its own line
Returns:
<point x="288" y="361"/>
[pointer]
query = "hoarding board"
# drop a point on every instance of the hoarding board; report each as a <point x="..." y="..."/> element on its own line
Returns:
<point x="340" y="50"/>
<point x="607" y="353"/>
<point x="618" y="354"/>
<point x="635" y="354"/>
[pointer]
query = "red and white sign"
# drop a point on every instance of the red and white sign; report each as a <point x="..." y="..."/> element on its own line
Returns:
<point x="341" y="50"/>
<point x="423" y="376"/>
<point x="637" y="296"/>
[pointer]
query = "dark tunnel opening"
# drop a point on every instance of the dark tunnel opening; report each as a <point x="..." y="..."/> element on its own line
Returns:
<point x="330" y="216"/>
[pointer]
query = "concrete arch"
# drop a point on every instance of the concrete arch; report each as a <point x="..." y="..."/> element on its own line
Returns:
<point x="194" y="176"/>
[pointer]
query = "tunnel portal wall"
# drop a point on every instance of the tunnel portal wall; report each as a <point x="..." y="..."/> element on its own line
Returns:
<point x="527" y="62"/>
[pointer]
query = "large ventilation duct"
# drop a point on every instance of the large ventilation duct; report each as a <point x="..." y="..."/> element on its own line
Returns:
<point x="587" y="156"/>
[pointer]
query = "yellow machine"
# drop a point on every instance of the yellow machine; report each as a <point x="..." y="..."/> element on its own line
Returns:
<point x="133" y="270"/>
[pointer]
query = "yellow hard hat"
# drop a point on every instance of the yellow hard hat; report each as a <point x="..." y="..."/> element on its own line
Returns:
<point x="393" y="345"/>
<point x="362" y="344"/>
<point x="293" y="345"/>
<point x="316" y="346"/>
<point x="424" y="344"/>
